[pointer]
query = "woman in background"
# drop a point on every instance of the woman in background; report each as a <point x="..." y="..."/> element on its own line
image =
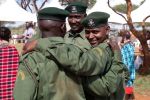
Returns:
<point x="9" y="58"/>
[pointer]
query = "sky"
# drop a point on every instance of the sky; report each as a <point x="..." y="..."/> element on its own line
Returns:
<point x="112" y="2"/>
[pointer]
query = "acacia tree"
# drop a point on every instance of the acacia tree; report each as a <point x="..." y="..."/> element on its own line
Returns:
<point x="32" y="5"/>
<point x="122" y="7"/>
<point x="140" y="35"/>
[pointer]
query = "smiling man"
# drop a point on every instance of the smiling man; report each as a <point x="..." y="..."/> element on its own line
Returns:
<point x="96" y="27"/>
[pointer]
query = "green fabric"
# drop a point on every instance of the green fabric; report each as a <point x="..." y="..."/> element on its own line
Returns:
<point x="67" y="58"/>
<point x="78" y="40"/>
<point x="53" y="13"/>
<point x="76" y="7"/>
<point x="73" y="58"/>
<point x="95" y="19"/>
<point x="105" y="85"/>
<point x="42" y="79"/>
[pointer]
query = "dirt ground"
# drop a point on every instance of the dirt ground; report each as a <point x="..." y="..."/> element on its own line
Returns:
<point x="141" y="96"/>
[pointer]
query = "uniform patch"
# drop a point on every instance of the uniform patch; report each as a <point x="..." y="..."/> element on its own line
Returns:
<point x="21" y="74"/>
<point x="91" y="23"/>
<point x="100" y="51"/>
<point x="73" y="9"/>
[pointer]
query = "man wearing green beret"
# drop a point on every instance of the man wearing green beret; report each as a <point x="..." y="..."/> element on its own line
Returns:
<point x="38" y="77"/>
<point x="96" y="31"/>
<point x="76" y="34"/>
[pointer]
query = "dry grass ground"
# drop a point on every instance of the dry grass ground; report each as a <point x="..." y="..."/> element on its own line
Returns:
<point x="142" y="84"/>
<point x="142" y="87"/>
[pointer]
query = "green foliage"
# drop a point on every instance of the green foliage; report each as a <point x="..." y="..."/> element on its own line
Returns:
<point x="18" y="30"/>
<point x="123" y="7"/>
<point x="142" y="2"/>
<point x="91" y="3"/>
<point x="138" y="24"/>
<point x="2" y="23"/>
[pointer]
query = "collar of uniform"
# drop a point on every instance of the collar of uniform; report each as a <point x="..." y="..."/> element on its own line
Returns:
<point x="105" y="41"/>
<point x="81" y="34"/>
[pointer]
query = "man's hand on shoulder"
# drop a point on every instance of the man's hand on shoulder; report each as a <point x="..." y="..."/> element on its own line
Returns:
<point x="29" y="46"/>
<point x="114" y="45"/>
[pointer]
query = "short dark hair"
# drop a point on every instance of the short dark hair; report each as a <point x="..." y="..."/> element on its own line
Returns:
<point x="127" y="35"/>
<point x="5" y="33"/>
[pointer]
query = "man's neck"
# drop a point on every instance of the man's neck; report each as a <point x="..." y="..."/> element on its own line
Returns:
<point x="76" y="32"/>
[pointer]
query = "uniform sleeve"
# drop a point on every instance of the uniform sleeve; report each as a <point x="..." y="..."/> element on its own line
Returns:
<point x="72" y="58"/>
<point x="109" y="83"/>
<point x="26" y="83"/>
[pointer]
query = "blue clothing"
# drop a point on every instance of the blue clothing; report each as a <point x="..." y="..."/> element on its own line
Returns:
<point x="127" y="52"/>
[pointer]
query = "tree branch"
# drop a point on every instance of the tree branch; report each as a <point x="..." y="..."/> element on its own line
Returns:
<point x="108" y="2"/>
<point x="30" y="8"/>
<point x="35" y="5"/>
<point x="42" y="4"/>
<point x="129" y="9"/>
<point x="27" y="3"/>
<point x="143" y="23"/>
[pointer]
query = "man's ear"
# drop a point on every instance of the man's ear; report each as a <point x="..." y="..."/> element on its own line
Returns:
<point x="85" y="15"/>
<point x="107" y="29"/>
<point x="63" y="28"/>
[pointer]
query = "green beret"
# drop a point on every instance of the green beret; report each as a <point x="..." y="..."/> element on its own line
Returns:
<point x="53" y="13"/>
<point x="95" y="19"/>
<point x="76" y="7"/>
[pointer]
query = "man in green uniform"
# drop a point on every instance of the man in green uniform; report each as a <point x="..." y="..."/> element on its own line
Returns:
<point x="96" y="31"/>
<point x="76" y="35"/>
<point x="38" y="77"/>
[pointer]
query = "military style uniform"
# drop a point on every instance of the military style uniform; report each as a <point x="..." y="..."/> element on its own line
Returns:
<point x="55" y="78"/>
<point x="78" y="40"/>
<point x="107" y="84"/>
<point x="68" y="57"/>
<point x="40" y="78"/>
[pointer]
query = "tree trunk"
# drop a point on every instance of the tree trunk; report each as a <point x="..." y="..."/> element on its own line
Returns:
<point x="146" y="62"/>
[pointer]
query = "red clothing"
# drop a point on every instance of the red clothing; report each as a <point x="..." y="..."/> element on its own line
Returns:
<point x="129" y="90"/>
<point x="9" y="60"/>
